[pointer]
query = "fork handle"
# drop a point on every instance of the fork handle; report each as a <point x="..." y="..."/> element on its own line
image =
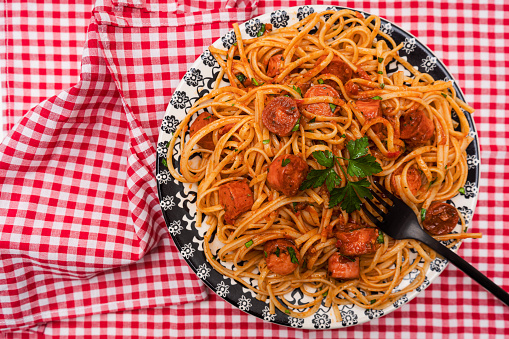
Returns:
<point x="470" y="270"/>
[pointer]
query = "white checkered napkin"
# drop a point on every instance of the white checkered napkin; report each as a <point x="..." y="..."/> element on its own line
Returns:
<point x="81" y="229"/>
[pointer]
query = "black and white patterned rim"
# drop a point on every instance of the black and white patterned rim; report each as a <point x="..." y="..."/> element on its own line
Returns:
<point x="178" y="200"/>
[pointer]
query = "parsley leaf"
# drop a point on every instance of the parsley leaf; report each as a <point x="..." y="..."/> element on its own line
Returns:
<point x="332" y="107"/>
<point x="380" y="238"/>
<point x="348" y="196"/>
<point x="277" y="252"/>
<point x="249" y="243"/>
<point x="462" y="190"/>
<point x="324" y="158"/>
<point x="423" y="214"/>
<point x="358" y="148"/>
<point x="296" y="127"/>
<point x="316" y="178"/>
<point x="261" y="31"/>
<point x="241" y="77"/>
<point x="256" y="83"/>
<point x="298" y="90"/>
<point x="320" y="81"/>
<point x="293" y="256"/>
<point x="363" y="166"/>
<point x="266" y="141"/>
<point x="285" y="162"/>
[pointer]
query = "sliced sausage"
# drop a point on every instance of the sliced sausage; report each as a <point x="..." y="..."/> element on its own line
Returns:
<point x="321" y="108"/>
<point x="286" y="173"/>
<point x="369" y="108"/>
<point x="275" y="65"/>
<point x="416" y="128"/>
<point x="413" y="177"/>
<point x="201" y="121"/>
<point x="441" y="218"/>
<point x="352" y="89"/>
<point x="336" y="67"/>
<point x="282" y="256"/>
<point x="341" y="267"/>
<point x="357" y="242"/>
<point x="225" y="129"/>
<point x="280" y="115"/>
<point x="236" y="198"/>
<point x="349" y="227"/>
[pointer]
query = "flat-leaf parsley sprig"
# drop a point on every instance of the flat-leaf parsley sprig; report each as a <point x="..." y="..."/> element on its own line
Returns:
<point x="360" y="165"/>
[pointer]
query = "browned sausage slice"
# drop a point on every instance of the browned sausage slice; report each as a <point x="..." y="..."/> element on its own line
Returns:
<point x="441" y="218"/>
<point x="236" y="198"/>
<point x="343" y="268"/>
<point x="282" y="256"/>
<point x="336" y="67"/>
<point x="369" y="108"/>
<point x="413" y="178"/>
<point x="201" y="121"/>
<point x="416" y="128"/>
<point x="275" y="65"/>
<point x="321" y="108"/>
<point x="286" y="173"/>
<point x="357" y="242"/>
<point x="280" y="115"/>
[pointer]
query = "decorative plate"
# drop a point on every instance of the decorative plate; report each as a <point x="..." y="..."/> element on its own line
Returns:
<point x="178" y="200"/>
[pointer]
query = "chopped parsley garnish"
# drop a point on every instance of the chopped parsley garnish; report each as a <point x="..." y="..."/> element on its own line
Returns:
<point x="351" y="259"/>
<point x="261" y="31"/>
<point x="241" y="77"/>
<point x="423" y="214"/>
<point x="293" y="256"/>
<point x="266" y="141"/>
<point x="312" y="120"/>
<point x="320" y="81"/>
<point x="380" y="238"/>
<point x="277" y="252"/>
<point x="380" y="72"/>
<point x="235" y="43"/>
<point x="249" y="243"/>
<point x="285" y="162"/>
<point x="287" y="311"/>
<point x="294" y="206"/>
<point x="462" y="190"/>
<point x="207" y="118"/>
<point x="382" y="85"/>
<point x="165" y="163"/>
<point x="316" y="178"/>
<point x="372" y="301"/>
<point x="444" y="95"/>
<point x="256" y="83"/>
<point x="380" y="60"/>
<point x="332" y="107"/>
<point x="296" y="127"/>
<point x="360" y="164"/>
<point x="343" y="136"/>
<point x="265" y="254"/>
<point x="377" y="98"/>
<point x="324" y="294"/>
<point x="297" y="89"/>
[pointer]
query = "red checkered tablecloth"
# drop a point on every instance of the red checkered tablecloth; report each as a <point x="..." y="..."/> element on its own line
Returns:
<point x="83" y="247"/>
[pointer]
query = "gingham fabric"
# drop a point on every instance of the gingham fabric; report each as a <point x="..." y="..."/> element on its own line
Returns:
<point x="83" y="247"/>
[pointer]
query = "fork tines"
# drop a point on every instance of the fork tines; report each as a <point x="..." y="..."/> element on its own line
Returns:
<point x="381" y="201"/>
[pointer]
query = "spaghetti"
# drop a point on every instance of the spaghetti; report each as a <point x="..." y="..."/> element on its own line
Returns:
<point x="295" y="98"/>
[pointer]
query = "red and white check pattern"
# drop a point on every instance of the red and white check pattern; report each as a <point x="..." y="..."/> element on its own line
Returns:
<point x="80" y="199"/>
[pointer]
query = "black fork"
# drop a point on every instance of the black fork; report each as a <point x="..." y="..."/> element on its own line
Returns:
<point x="400" y="222"/>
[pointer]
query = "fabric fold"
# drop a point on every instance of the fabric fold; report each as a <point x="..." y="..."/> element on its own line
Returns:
<point x="81" y="230"/>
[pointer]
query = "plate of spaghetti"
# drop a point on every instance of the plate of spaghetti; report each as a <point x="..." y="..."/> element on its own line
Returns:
<point x="271" y="142"/>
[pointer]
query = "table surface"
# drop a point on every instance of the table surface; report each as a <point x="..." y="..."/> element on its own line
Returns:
<point x="43" y="58"/>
